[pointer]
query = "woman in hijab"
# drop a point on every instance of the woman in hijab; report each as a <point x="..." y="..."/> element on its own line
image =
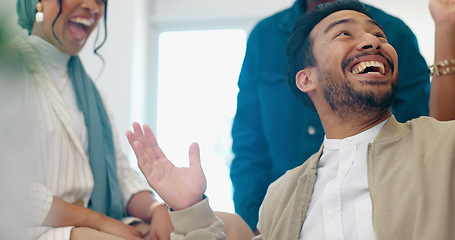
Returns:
<point x="83" y="186"/>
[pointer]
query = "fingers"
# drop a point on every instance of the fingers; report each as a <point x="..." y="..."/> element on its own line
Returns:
<point x="142" y="158"/>
<point x="151" y="139"/>
<point x="139" y="149"/>
<point x="195" y="156"/>
<point x="149" y="135"/>
<point x="131" y="139"/>
<point x="147" y="144"/>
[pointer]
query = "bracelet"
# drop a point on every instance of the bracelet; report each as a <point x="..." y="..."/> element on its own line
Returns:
<point x="443" y="67"/>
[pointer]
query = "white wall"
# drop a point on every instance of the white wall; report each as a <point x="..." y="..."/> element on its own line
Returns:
<point x="192" y="10"/>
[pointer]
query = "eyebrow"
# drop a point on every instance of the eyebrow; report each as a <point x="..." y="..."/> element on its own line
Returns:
<point x="350" y="21"/>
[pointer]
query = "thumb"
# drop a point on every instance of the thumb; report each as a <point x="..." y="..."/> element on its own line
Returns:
<point x="194" y="155"/>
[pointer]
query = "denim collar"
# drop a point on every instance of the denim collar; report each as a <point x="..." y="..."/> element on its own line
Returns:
<point x="288" y="21"/>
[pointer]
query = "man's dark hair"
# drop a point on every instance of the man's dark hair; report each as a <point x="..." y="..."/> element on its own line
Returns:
<point x="299" y="49"/>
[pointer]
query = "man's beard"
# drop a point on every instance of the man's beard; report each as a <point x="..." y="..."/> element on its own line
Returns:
<point x="350" y="103"/>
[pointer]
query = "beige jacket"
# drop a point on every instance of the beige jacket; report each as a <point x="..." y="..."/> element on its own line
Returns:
<point x="411" y="176"/>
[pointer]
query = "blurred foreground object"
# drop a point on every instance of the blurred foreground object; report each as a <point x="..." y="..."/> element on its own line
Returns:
<point x="16" y="140"/>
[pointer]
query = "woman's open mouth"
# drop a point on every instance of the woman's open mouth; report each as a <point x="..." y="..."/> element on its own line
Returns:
<point x="79" y="28"/>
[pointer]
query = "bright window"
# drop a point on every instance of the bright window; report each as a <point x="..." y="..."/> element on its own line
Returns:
<point x="197" y="90"/>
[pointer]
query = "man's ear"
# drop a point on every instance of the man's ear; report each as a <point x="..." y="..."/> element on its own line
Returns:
<point x="304" y="80"/>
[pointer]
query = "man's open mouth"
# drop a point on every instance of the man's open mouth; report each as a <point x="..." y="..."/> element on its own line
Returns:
<point x="368" y="67"/>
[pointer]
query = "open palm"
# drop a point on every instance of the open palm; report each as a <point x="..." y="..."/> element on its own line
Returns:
<point x="178" y="187"/>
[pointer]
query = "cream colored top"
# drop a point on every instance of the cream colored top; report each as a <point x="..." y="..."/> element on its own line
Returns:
<point x="61" y="166"/>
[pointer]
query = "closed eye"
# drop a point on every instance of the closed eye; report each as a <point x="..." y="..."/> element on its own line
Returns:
<point x="380" y="35"/>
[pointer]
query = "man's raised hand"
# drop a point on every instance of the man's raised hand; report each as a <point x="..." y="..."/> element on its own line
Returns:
<point x="178" y="187"/>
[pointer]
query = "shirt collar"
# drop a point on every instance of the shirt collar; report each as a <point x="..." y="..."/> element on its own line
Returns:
<point x="365" y="136"/>
<point x="50" y="54"/>
<point x="295" y="12"/>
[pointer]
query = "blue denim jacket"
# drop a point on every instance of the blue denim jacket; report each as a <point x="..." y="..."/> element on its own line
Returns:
<point x="274" y="131"/>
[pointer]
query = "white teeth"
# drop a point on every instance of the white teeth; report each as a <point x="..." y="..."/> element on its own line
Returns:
<point x="363" y="65"/>
<point x="84" y="21"/>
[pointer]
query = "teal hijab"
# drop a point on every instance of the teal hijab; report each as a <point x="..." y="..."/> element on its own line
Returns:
<point x="106" y="197"/>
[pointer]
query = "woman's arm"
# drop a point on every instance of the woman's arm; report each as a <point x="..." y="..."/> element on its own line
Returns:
<point x="64" y="214"/>
<point x="442" y="97"/>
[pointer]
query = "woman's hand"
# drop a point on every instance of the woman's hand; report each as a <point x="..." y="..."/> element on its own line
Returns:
<point x="178" y="187"/>
<point x="144" y="206"/>
<point x="160" y="224"/>
<point x="442" y="10"/>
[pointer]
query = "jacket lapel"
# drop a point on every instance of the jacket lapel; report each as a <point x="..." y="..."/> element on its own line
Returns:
<point x="56" y="101"/>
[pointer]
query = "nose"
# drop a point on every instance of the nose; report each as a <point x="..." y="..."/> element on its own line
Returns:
<point x="91" y="6"/>
<point x="369" y="42"/>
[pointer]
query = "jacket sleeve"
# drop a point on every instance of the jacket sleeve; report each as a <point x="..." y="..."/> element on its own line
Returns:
<point x="414" y="83"/>
<point x="197" y="222"/>
<point x="40" y="203"/>
<point x="250" y="168"/>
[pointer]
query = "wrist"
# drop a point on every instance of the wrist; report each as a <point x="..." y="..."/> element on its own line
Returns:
<point x="443" y="67"/>
<point x="444" y="23"/>
<point x="190" y="201"/>
<point x="152" y="209"/>
<point x="93" y="220"/>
